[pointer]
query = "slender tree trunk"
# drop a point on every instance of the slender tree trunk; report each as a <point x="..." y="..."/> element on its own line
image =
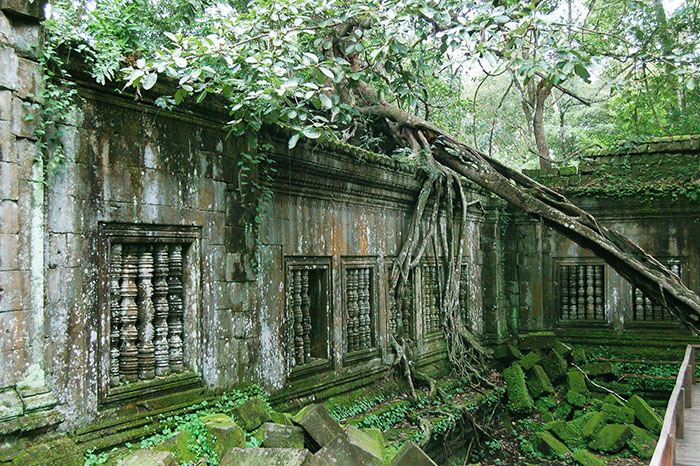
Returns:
<point x="542" y="92"/>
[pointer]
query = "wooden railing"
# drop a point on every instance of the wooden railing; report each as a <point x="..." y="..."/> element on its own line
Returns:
<point x="665" y="452"/>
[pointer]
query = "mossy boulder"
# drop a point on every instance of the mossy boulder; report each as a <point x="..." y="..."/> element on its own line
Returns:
<point x="282" y="418"/>
<point x="614" y="400"/>
<point x="611" y="438"/>
<point x="586" y="458"/>
<point x="507" y="353"/>
<point x="281" y="436"/>
<point x="538" y="384"/>
<point x="642" y="442"/>
<point x="563" y="431"/>
<point x="604" y="369"/>
<point x="537" y="340"/>
<point x="225" y="433"/>
<point x="150" y="458"/>
<point x="179" y="446"/>
<point x="548" y="445"/>
<point x="576" y="399"/>
<point x="576" y="381"/>
<point x="563" y="411"/>
<point x="562" y="349"/>
<point x="253" y="413"/>
<point x="645" y="414"/>
<point x="617" y="414"/>
<point x="519" y="400"/>
<point x="528" y="361"/>
<point x="593" y="424"/>
<point x="555" y="367"/>
<point x="578" y="356"/>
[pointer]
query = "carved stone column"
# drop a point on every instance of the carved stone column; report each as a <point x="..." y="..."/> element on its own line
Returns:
<point x="306" y="315"/>
<point x="146" y="311"/>
<point x="160" y="304"/>
<point x="128" y="364"/>
<point x="298" y="317"/>
<point x="352" y="310"/>
<point x="175" y="314"/>
<point x="115" y="270"/>
<point x="565" y="292"/>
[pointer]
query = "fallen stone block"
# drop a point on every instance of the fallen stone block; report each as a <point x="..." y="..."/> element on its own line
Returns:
<point x="519" y="400"/>
<point x="318" y="424"/>
<point x="555" y="367"/>
<point x="578" y="356"/>
<point x="178" y="445"/>
<point x="617" y="414"/>
<point x="281" y="436"/>
<point x="576" y="381"/>
<point x="411" y="455"/>
<point x="537" y="340"/>
<point x="642" y="442"/>
<point x="611" y="438"/>
<point x="586" y="458"/>
<point x="149" y="458"/>
<point x="614" y="400"/>
<point x="563" y="411"/>
<point x="225" y="432"/>
<point x="645" y="414"/>
<point x="563" y="431"/>
<point x="282" y="418"/>
<point x="548" y="445"/>
<point x="349" y="448"/>
<point x="252" y="414"/>
<point x="576" y="399"/>
<point x="528" y="361"/>
<point x="268" y="457"/>
<point x="593" y="425"/>
<point x="538" y="384"/>
<point x="507" y="353"/>
<point x="606" y="370"/>
<point x="562" y="349"/>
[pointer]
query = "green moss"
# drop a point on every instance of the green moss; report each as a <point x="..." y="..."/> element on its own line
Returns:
<point x="585" y="458"/>
<point x="519" y="400"/>
<point x="538" y="383"/>
<point x="528" y="361"/>
<point x="576" y="399"/>
<point x="642" y="443"/>
<point x="563" y="431"/>
<point x="563" y="411"/>
<point x="611" y="438"/>
<point x="179" y="446"/>
<point x="555" y="366"/>
<point x="576" y="381"/>
<point x="617" y="414"/>
<point x="579" y="356"/>
<point x="645" y="414"/>
<point x="550" y="446"/>
<point x="593" y="424"/>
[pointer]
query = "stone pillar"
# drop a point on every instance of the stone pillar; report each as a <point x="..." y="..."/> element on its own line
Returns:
<point x="22" y="232"/>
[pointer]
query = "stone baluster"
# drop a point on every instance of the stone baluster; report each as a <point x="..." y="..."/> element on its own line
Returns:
<point x="128" y="364"/>
<point x="364" y="308"/>
<point x="599" y="293"/>
<point x="565" y="292"/>
<point x="160" y="303"/>
<point x="435" y="301"/>
<point x="352" y="310"/>
<point x="393" y="313"/>
<point x="298" y="317"/>
<point x="590" y="293"/>
<point x="175" y="308"/>
<point x="115" y="270"/>
<point x="306" y="314"/>
<point x="639" y="311"/>
<point x="406" y="309"/>
<point x="146" y="312"/>
<point x="463" y="291"/>
<point x="581" y="293"/>
<point x="425" y="305"/>
<point x="573" y="299"/>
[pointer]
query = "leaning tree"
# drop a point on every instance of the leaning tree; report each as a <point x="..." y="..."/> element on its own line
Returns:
<point x="361" y="72"/>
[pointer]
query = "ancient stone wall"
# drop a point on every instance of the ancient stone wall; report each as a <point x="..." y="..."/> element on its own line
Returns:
<point x="646" y="193"/>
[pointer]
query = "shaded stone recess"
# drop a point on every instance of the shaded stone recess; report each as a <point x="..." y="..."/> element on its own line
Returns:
<point x="556" y="284"/>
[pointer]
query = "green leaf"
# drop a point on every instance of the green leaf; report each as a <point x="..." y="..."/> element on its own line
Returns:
<point x="325" y="101"/>
<point x="326" y="72"/>
<point x="180" y="62"/>
<point x="149" y="80"/>
<point x="690" y="84"/>
<point x="582" y="72"/>
<point x="293" y="140"/>
<point x="311" y="132"/>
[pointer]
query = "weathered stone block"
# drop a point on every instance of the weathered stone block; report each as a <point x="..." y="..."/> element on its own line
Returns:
<point x="576" y="381"/>
<point x="528" y="361"/>
<point x="5" y="105"/>
<point x="29" y="80"/>
<point x="519" y="400"/>
<point x="178" y="446"/>
<point x="593" y="425"/>
<point x="538" y="384"/>
<point x="642" y="442"/>
<point x="282" y="418"/>
<point x="645" y="414"/>
<point x="563" y="410"/>
<point x="225" y="432"/>
<point x="578" y="355"/>
<point x="617" y="414"/>
<point x="9" y="217"/>
<point x="576" y="399"/>
<point x="613" y="400"/>
<point x="563" y="431"/>
<point x="253" y="413"/>
<point x="562" y="349"/>
<point x="8" y="72"/>
<point x="149" y="458"/>
<point x="604" y="369"/>
<point x="10" y="404"/>
<point x="268" y="457"/>
<point x="351" y="447"/>
<point x="611" y="438"/>
<point x="411" y="455"/>
<point x="12" y="293"/>
<point x="586" y="458"/>
<point x="9" y="188"/>
<point x="9" y="251"/>
<point x="25" y="119"/>
<point x="507" y="353"/>
<point x="537" y="340"/>
<point x="318" y="424"/>
<point x="7" y="143"/>
<point x="555" y="367"/>
<point x="548" y="445"/>
<point x="33" y="9"/>
<point x="282" y="436"/>
<point x="26" y="37"/>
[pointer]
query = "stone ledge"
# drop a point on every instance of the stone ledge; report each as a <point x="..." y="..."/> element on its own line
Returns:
<point x="27" y="8"/>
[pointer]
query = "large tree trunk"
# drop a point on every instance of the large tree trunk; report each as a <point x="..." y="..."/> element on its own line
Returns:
<point x="629" y="260"/>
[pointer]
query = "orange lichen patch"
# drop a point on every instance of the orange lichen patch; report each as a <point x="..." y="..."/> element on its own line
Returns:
<point x="363" y="237"/>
